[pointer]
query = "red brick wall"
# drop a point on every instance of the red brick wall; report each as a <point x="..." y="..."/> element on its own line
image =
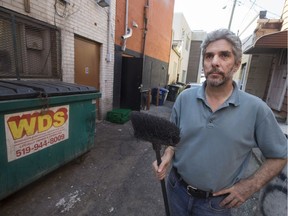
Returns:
<point x="159" y="28"/>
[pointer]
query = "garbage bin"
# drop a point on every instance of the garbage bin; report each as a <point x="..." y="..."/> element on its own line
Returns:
<point x="161" y="97"/>
<point x="174" y="90"/>
<point x="43" y="125"/>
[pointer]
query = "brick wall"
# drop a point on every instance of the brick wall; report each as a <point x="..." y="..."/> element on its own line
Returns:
<point x="83" y="18"/>
<point x="159" y="27"/>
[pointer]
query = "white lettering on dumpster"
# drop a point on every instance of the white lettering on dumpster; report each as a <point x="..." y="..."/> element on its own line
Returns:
<point x="32" y="131"/>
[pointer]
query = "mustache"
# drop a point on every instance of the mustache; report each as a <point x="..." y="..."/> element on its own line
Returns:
<point x="214" y="70"/>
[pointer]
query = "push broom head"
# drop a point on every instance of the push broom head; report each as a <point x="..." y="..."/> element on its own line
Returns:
<point x="154" y="129"/>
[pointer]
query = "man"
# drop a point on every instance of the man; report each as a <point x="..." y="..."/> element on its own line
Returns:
<point x="219" y="125"/>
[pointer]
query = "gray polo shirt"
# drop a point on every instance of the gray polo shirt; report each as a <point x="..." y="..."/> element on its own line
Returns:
<point x="215" y="147"/>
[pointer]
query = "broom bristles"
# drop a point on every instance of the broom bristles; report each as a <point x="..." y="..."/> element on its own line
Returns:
<point x="154" y="129"/>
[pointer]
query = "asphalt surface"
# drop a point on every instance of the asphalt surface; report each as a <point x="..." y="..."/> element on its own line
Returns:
<point x="114" y="178"/>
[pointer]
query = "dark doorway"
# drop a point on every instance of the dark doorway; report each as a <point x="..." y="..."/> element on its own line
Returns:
<point x="131" y="80"/>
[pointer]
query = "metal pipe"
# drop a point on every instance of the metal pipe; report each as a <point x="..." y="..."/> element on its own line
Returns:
<point x="126" y="24"/>
<point x="146" y="8"/>
<point x="108" y="54"/>
<point x="126" y="16"/>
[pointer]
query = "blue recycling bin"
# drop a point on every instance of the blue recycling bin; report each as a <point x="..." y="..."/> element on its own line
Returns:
<point x="162" y="96"/>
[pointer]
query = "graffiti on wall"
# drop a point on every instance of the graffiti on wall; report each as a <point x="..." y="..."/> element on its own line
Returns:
<point x="273" y="197"/>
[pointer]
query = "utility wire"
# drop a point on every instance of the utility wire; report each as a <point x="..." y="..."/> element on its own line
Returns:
<point x="266" y="10"/>
<point x="246" y="15"/>
<point x="253" y="5"/>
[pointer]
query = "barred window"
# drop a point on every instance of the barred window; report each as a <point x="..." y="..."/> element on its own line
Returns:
<point x="28" y="47"/>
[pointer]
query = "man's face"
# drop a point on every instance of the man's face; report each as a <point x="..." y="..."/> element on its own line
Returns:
<point x="219" y="63"/>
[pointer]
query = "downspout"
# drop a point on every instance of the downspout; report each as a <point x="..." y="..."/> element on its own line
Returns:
<point x="126" y="25"/>
<point x="108" y="55"/>
<point x="146" y="8"/>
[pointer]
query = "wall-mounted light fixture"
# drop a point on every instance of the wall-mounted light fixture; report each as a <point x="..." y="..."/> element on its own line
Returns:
<point x="103" y="3"/>
<point x="64" y="2"/>
<point x="134" y="24"/>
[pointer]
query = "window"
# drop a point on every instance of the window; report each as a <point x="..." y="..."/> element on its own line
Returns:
<point x="28" y="48"/>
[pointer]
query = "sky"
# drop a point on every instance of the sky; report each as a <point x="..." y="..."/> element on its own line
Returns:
<point x="208" y="15"/>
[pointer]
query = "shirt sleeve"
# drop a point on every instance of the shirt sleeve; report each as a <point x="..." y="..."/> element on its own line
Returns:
<point x="270" y="138"/>
<point x="175" y="117"/>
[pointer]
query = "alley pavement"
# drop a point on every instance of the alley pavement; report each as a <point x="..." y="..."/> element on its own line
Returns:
<point x="114" y="178"/>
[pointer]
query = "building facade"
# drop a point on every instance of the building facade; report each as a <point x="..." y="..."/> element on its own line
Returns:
<point x="72" y="41"/>
<point x="195" y="66"/>
<point x="182" y="43"/>
<point x="142" y="49"/>
<point x="266" y="67"/>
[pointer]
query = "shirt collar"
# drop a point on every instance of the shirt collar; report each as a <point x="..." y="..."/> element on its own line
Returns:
<point x="233" y="99"/>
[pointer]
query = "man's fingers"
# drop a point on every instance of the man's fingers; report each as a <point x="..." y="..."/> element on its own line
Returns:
<point x="222" y="192"/>
<point x="225" y="201"/>
<point x="231" y="202"/>
<point x="155" y="166"/>
<point x="159" y="170"/>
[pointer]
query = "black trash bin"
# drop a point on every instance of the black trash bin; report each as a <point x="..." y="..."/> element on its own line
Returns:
<point x="174" y="90"/>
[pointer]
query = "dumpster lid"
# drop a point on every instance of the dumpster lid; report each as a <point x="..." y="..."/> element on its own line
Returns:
<point x="16" y="89"/>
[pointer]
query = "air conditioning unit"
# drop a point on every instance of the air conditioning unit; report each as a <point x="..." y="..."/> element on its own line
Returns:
<point x="103" y="3"/>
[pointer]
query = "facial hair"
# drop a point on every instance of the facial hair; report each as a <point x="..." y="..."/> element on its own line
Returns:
<point x="215" y="82"/>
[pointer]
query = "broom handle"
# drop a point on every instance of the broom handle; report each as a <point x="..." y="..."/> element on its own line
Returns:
<point x="164" y="193"/>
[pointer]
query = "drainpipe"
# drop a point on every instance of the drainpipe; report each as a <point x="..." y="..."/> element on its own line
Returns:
<point x="146" y="8"/>
<point x="126" y="25"/>
<point x="108" y="55"/>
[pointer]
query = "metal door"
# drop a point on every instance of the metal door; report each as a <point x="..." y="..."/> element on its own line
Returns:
<point x="87" y="64"/>
<point x="131" y="81"/>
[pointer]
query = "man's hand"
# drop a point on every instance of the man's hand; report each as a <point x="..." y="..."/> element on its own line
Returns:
<point x="162" y="169"/>
<point x="237" y="194"/>
<point x="242" y="190"/>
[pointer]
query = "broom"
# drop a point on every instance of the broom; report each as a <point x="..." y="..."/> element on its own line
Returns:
<point x="157" y="131"/>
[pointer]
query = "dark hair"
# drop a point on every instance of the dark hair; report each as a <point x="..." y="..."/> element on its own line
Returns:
<point x="226" y="35"/>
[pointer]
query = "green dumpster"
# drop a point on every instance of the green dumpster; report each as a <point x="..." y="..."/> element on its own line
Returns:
<point x="43" y="125"/>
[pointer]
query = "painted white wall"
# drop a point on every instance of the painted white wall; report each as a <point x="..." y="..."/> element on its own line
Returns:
<point x="285" y="16"/>
<point x="84" y="18"/>
<point x="182" y="32"/>
<point x="173" y="67"/>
